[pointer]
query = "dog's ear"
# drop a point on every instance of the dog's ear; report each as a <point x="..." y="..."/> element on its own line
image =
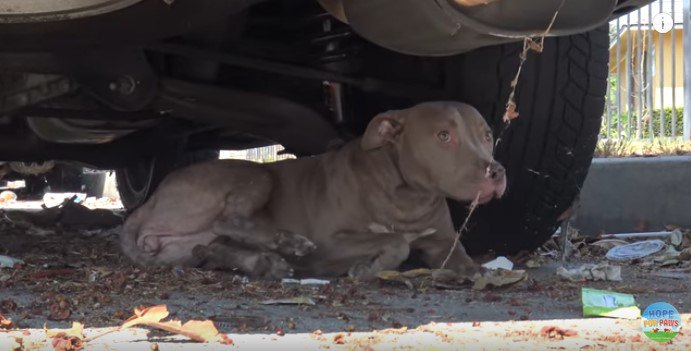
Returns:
<point x="383" y="128"/>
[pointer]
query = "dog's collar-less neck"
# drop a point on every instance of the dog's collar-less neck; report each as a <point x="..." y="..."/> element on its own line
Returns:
<point x="406" y="203"/>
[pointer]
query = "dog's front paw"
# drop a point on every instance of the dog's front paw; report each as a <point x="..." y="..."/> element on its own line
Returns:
<point x="207" y="257"/>
<point x="294" y="244"/>
<point x="362" y="271"/>
<point x="468" y="271"/>
<point x="271" y="266"/>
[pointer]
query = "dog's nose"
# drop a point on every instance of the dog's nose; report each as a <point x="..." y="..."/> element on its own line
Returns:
<point x="496" y="171"/>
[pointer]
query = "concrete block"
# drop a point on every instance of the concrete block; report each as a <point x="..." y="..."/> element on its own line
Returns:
<point x="635" y="194"/>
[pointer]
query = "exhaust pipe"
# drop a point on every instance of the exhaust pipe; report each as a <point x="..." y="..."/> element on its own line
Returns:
<point x="449" y="27"/>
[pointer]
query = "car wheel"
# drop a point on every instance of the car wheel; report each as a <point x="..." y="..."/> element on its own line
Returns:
<point x="137" y="181"/>
<point x="547" y="150"/>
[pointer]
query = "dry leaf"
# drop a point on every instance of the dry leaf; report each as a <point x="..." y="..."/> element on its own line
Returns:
<point x="152" y="314"/>
<point x="5" y="323"/>
<point x="77" y="330"/>
<point x="554" y="332"/>
<point x="67" y="339"/>
<point x="58" y="312"/>
<point x="498" y="277"/>
<point x="404" y="277"/>
<point x="395" y="276"/>
<point x="416" y="273"/>
<point x="339" y="339"/>
<point x="17" y="344"/>
<point x="201" y="331"/>
<point x="511" y="112"/>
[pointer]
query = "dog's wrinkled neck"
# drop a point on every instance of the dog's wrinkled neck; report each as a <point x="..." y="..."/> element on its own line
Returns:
<point x="380" y="168"/>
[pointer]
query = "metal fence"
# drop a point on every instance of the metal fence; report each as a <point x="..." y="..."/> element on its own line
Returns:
<point x="646" y="91"/>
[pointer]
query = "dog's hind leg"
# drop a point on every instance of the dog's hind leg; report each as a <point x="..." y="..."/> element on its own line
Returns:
<point x="225" y="254"/>
<point x="244" y="221"/>
<point x="360" y="255"/>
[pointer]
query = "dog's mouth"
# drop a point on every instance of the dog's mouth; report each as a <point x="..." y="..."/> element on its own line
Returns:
<point x="491" y="189"/>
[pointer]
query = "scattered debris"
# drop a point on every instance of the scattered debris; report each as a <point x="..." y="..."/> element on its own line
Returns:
<point x="17" y="344"/>
<point x="68" y="214"/>
<point x="298" y="300"/>
<point x="307" y="281"/>
<point x="608" y="244"/>
<point x="498" y="277"/>
<point x="535" y="261"/>
<point x="499" y="262"/>
<point x="600" y="303"/>
<point x="685" y="254"/>
<point x="554" y="332"/>
<point x="9" y="262"/>
<point x="589" y="271"/>
<point x="674" y="236"/>
<point x="440" y="277"/>
<point x="636" y="250"/>
<point x="4" y="322"/>
<point x="673" y="275"/>
<point x="339" y="339"/>
<point x="60" y="310"/>
<point x="667" y="257"/>
<point x="57" y="199"/>
<point x="67" y="339"/>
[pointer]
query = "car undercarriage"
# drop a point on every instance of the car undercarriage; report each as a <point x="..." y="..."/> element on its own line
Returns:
<point x="147" y="86"/>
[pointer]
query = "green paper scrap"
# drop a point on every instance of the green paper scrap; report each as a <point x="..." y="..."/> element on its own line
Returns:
<point x="602" y="303"/>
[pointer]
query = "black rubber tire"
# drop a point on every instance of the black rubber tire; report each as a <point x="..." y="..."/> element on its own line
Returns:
<point x="139" y="180"/>
<point x="547" y="151"/>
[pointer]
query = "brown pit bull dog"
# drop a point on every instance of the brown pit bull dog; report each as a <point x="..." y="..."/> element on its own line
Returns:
<point x="358" y="210"/>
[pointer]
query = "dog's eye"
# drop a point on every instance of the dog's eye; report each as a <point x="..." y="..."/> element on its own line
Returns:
<point x="444" y="136"/>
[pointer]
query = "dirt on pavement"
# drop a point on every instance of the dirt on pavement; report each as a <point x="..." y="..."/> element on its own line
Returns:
<point x="77" y="275"/>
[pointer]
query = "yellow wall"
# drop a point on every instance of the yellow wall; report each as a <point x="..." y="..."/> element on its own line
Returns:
<point x="671" y="87"/>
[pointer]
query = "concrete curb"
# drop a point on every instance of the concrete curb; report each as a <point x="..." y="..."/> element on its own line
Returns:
<point x="635" y="194"/>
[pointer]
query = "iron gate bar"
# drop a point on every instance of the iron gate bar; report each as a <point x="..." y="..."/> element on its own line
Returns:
<point x="674" y="71"/>
<point x="639" y="90"/>
<point x="661" y="44"/>
<point x="687" y="68"/>
<point x="618" y="75"/>
<point x="629" y="83"/>
<point x="649" y="66"/>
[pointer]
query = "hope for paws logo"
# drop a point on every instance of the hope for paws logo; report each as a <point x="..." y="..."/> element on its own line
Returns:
<point x="661" y="322"/>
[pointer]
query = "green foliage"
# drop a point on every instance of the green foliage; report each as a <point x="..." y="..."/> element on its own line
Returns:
<point x="630" y="121"/>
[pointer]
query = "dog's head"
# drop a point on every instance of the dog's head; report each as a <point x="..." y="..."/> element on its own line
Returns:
<point x="444" y="147"/>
